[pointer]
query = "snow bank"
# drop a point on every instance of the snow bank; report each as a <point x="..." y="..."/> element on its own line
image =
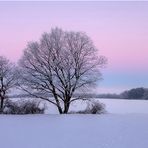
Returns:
<point x="74" y="131"/>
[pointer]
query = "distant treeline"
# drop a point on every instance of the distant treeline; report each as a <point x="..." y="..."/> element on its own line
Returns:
<point x="117" y="96"/>
<point x="135" y="93"/>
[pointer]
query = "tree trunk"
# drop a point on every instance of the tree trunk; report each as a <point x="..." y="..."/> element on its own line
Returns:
<point x="66" y="107"/>
<point x="60" y="110"/>
<point x="2" y="104"/>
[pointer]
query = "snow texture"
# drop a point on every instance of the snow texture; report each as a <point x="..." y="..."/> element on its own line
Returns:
<point x="128" y="130"/>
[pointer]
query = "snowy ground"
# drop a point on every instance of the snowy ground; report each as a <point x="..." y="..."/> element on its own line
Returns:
<point x="114" y="106"/>
<point x="125" y="126"/>
<point x="119" y="106"/>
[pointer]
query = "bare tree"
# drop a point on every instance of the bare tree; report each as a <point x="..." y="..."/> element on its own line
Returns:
<point x="60" y="64"/>
<point x="8" y="79"/>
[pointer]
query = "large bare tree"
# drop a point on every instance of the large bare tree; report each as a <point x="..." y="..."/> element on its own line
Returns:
<point x="60" y="64"/>
<point x="8" y="79"/>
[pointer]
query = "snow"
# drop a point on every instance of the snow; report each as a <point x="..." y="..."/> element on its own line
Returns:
<point x="114" y="106"/>
<point x="125" y="126"/>
<point x="117" y="106"/>
<point x="121" y="106"/>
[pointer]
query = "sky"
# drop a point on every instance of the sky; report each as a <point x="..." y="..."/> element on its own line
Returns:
<point x="118" y="29"/>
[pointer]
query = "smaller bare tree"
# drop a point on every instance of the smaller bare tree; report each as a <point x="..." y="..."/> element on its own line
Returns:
<point x="8" y="79"/>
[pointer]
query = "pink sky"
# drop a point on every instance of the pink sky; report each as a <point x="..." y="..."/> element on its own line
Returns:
<point x="118" y="29"/>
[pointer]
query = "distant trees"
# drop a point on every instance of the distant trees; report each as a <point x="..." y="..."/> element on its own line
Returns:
<point x="8" y="79"/>
<point x="145" y="95"/>
<point x="135" y="93"/>
<point x="60" y="64"/>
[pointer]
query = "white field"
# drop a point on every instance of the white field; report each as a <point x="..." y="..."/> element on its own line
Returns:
<point x="119" y="106"/>
<point x="113" y="106"/>
<point x="124" y="126"/>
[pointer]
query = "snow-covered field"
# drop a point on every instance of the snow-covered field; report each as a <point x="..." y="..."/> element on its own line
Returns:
<point x="121" y="106"/>
<point x="114" y="106"/>
<point x="125" y="126"/>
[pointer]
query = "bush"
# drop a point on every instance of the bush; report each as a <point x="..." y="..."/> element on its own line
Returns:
<point x="93" y="107"/>
<point x="23" y="107"/>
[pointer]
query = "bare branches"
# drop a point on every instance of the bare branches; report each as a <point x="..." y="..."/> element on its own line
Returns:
<point x="61" y="63"/>
<point x="8" y="78"/>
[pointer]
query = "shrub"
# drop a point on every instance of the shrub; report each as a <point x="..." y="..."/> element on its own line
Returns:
<point x="93" y="107"/>
<point x="23" y="107"/>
